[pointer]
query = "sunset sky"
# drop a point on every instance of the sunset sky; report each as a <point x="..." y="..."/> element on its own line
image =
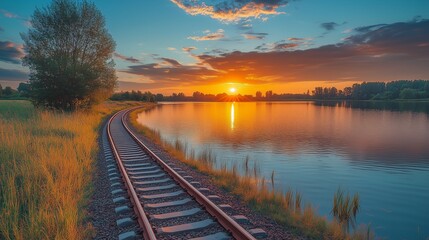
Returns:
<point x="167" y="46"/>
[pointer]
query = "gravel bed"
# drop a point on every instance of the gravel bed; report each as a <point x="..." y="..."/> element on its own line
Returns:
<point x="274" y="230"/>
<point x="101" y="208"/>
<point x="193" y="234"/>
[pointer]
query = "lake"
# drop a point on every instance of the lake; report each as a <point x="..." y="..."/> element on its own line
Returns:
<point x="380" y="150"/>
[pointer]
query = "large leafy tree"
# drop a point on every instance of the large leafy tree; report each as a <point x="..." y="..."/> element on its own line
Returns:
<point x="69" y="53"/>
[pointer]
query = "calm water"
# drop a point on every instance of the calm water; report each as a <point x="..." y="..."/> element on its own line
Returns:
<point x="380" y="151"/>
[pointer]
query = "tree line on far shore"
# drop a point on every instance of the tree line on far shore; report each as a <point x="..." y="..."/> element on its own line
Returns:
<point x="22" y="92"/>
<point x="401" y="89"/>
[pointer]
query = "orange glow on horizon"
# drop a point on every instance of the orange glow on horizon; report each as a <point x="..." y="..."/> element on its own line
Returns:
<point x="251" y="89"/>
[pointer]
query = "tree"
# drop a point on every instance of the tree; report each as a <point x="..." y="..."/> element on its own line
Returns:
<point x="24" y="89"/>
<point x="408" y="93"/>
<point x="348" y="92"/>
<point x="69" y="53"/>
<point x="159" y="97"/>
<point x="7" y="91"/>
<point x="1" y="90"/>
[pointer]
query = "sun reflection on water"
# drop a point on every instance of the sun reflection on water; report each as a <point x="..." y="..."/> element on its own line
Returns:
<point x="232" y="116"/>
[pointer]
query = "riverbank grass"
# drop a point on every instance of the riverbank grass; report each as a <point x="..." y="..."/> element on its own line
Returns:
<point x="46" y="165"/>
<point x="284" y="207"/>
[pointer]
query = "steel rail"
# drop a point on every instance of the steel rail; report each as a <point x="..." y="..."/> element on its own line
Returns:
<point x="236" y="230"/>
<point x="142" y="219"/>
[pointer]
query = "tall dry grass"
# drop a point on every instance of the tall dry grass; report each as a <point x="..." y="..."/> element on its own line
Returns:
<point x="284" y="207"/>
<point x="46" y="165"/>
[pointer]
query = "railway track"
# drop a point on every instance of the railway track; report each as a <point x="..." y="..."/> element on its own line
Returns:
<point x="154" y="200"/>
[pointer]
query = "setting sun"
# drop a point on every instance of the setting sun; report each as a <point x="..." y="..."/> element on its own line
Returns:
<point x="232" y="90"/>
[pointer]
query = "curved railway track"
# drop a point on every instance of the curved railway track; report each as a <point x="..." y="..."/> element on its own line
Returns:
<point x="165" y="204"/>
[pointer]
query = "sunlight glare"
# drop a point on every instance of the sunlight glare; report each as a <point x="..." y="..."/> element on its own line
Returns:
<point x="233" y="90"/>
<point x="232" y="116"/>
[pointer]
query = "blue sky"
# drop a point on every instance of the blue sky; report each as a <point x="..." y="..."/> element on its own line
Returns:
<point x="189" y="39"/>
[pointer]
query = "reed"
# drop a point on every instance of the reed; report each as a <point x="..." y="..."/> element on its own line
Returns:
<point x="284" y="208"/>
<point x="46" y="165"/>
<point x="345" y="209"/>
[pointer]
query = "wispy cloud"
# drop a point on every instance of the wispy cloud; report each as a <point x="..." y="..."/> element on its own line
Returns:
<point x="11" y="52"/>
<point x="12" y="75"/>
<point x="231" y="10"/>
<point x="254" y="36"/>
<point x="170" y="62"/>
<point x="329" y="26"/>
<point x="282" y="45"/>
<point x="295" y="39"/>
<point x="188" y="49"/>
<point x="125" y="58"/>
<point x="210" y="36"/>
<point x="171" y="49"/>
<point x="245" y="25"/>
<point x="8" y="14"/>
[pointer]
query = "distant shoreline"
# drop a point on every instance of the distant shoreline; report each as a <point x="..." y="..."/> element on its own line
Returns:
<point x="314" y="100"/>
<point x="421" y="100"/>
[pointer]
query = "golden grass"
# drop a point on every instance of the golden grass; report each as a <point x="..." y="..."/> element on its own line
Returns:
<point x="284" y="208"/>
<point x="46" y="165"/>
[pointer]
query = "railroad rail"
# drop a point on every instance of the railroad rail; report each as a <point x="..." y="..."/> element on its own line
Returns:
<point x="165" y="204"/>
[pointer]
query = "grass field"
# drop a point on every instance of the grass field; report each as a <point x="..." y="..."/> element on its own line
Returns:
<point x="284" y="208"/>
<point x="46" y="164"/>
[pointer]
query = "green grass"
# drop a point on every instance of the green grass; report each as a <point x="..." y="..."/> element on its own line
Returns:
<point x="284" y="207"/>
<point x="46" y="166"/>
<point x="16" y="109"/>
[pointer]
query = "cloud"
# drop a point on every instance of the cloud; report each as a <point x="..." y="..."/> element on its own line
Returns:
<point x="366" y="29"/>
<point x="295" y="39"/>
<point x="11" y="52"/>
<point x="188" y="49"/>
<point x="171" y="49"/>
<point x="210" y="36"/>
<point x="231" y="10"/>
<point x="173" y="74"/>
<point x="285" y="46"/>
<point x="282" y="45"/>
<point x="402" y="38"/>
<point x="8" y="14"/>
<point x="245" y="25"/>
<point x="125" y="58"/>
<point x="171" y="62"/>
<point x="254" y="36"/>
<point x="12" y="75"/>
<point x="383" y="53"/>
<point x="329" y="26"/>
<point x="394" y="51"/>
<point x="129" y="86"/>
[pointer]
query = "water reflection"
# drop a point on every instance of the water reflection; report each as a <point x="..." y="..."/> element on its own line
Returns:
<point x="399" y="106"/>
<point x="232" y="116"/>
<point x="315" y="147"/>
